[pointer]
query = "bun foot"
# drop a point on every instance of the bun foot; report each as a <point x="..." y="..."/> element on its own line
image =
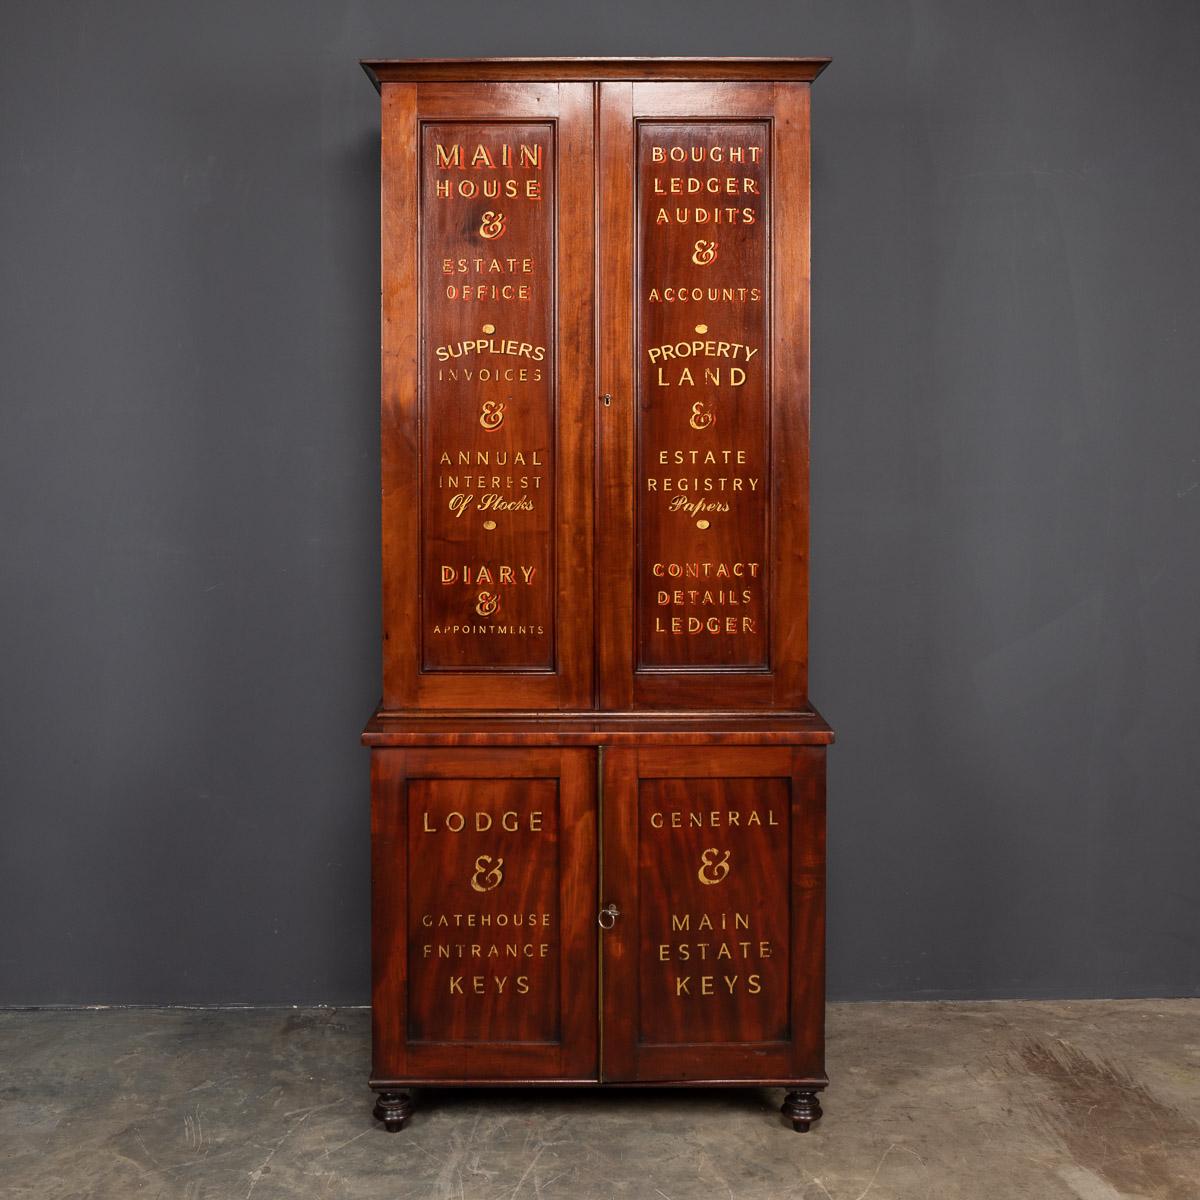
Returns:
<point x="802" y="1109"/>
<point x="394" y="1110"/>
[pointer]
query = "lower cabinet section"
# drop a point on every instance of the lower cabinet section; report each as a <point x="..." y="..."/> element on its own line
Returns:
<point x="598" y="914"/>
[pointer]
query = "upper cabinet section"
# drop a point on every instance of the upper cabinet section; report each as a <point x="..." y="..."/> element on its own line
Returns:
<point x="487" y="395"/>
<point x="595" y="398"/>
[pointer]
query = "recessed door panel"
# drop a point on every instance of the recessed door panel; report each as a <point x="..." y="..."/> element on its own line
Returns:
<point x="487" y="406"/>
<point x="703" y="421"/>
<point x="713" y="955"/>
<point x="485" y="928"/>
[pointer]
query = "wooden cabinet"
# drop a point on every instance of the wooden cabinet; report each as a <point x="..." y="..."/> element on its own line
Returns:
<point x="597" y="780"/>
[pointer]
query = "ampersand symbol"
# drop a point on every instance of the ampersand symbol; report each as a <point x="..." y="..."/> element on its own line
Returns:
<point x="488" y="874"/>
<point x="486" y="603"/>
<point x="492" y="225"/>
<point x="701" y="417"/>
<point x="712" y="868"/>
<point x="704" y="252"/>
<point x="492" y="415"/>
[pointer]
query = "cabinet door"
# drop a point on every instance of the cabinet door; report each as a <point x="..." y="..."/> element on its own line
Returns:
<point x="703" y="495"/>
<point x="714" y="969"/>
<point x="488" y="395"/>
<point x="483" y="915"/>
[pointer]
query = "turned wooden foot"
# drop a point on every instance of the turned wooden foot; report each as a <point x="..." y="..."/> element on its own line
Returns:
<point x="394" y="1110"/>
<point x="802" y="1109"/>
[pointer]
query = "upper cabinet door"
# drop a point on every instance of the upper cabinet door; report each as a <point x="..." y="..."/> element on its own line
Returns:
<point x="487" y="394"/>
<point x="702" y="507"/>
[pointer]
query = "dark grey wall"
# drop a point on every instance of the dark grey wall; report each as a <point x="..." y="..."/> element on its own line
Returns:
<point x="1006" y="500"/>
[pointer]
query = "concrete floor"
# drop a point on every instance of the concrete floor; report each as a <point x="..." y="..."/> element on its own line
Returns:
<point x="987" y="1101"/>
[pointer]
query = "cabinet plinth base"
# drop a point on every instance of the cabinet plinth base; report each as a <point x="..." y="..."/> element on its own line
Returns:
<point x="581" y="864"/>
<point x="802" y="1109"/>
<point x="394" y="1109"/>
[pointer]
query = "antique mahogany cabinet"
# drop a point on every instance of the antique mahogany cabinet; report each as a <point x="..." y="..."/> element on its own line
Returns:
<point x="597" y="783"/>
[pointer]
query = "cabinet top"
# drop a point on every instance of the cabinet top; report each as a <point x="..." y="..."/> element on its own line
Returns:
<point x="425" y="70"/>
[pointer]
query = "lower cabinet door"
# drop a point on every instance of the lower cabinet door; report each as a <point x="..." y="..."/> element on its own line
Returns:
<point x="713" y="968"/>
<point x="484" y="915"/>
